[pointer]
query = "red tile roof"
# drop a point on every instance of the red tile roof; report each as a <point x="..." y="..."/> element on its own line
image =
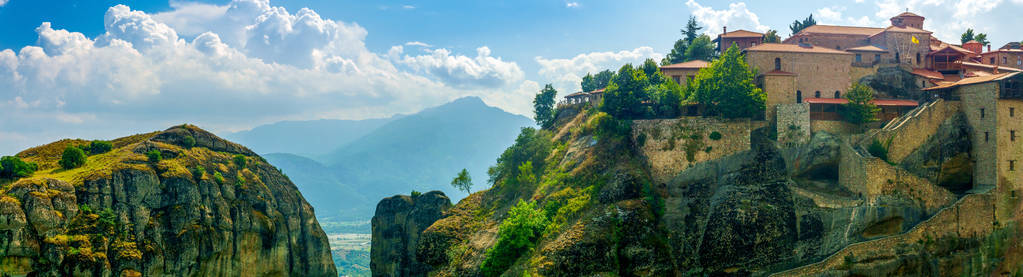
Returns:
<point x="928" y="74"/>
<point x="879" y="102"/>
<point x="908" y="14"/>
<point x="868" y="48"/>
<point x="975" y="80"/>
<point x="841" y="30"/>
<point x="741" y="34"/>
<point x="694" y="64"/>
<point x="794" y="48"/>
<point x="584" y="93"/>
<point x="897" y="29"/>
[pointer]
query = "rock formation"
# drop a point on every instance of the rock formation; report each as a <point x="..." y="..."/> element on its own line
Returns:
<point x="198" y="211"/>
<point x="397" y="225"/>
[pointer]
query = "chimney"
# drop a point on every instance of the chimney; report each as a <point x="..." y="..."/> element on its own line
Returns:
<point x="724" y="29"/>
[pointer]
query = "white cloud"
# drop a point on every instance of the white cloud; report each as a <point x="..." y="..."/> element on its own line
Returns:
<point x="461" y="71"/>
<point x="736" y="17"/>
<point x="566" y="74"/>
<point x="408" y="7"/>
<point x="227" y="68"/>
<point x="948" y="19"/>
<point x="571" y="4"/>
<point x="3" y="2"/>
<point x="418" y="43"/>
<point x="835" y="16"/>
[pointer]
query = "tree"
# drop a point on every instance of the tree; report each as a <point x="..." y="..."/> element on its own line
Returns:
<point x="860" y="110"/>
<point x="602" y="79"/>
<point x="587" y="84"/>
<point x="799" y="26"/>
<point x="73" y="157"/>
<point x="463" y="181"/>
<point x="189" y="142"/>
<point x="516" y="236"/>
<point x="624" y="97"/>
<point x="652" y="71"/>
<point x="543" y="106"/>
<point x="772" y="37"/>
<point x="99" y="147"/>
<point x="726" y="87"/>
<point x="240" y="160"/>
<point x="594" y="82"/>
<point x="701" y="48"/>
<point x="154" y="156"/>
<point x="13" y="167"/>
<point x="967" y="36"/>
<point x="678" y="52"/>
<point x="982" y="38"/>
<point x="531" y="145"/>
<point x="667" y="98"/>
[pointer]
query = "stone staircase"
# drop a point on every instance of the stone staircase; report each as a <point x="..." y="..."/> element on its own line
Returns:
<point x="970" y="216"/>
<point x="907" y="132"/>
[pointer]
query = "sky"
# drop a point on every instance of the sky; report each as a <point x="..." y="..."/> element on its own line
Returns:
<point x="104" y="69"/>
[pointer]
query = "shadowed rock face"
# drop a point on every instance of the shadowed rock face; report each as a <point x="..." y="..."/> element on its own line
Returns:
<point x="127" y="216"/>
<point x="397" y="225"/>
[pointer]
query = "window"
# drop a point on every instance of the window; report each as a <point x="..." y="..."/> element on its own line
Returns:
<point x="838" y="47"/>
<point x="1012" y="112"/>
<point x="986" y="136"/>
<point x="838" y="94"/>
<point x="923" y="84"/>
<point x="753" y="44"/>
<point x="1005" y="60"/>
<point x="877" y="57"/>
<point x="777" y="63"/>
<point x="799" y="96"/>
<point x="859" y="58"/>
<point x="918" y="58"/>
<point x="817" y="94"/>
<point x="1012" y="165"/>
<point x="992" y="60"/>
<point x="897" y="59"/>
<point x="981" y="113"/>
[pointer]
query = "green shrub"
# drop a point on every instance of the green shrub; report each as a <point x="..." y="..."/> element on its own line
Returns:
<point x="100" y="146"/>
<point x="198" y="172"/>
<point x="154" y="156"/>
<point x="13" y="167"/>
<point x="715" y="135"/>
<point x="531" y="145"/>
<point x="416" y="193"/>
<point x="218" y="177"/>
<point x="189" y="142"/>
<point x="516" y="235"/>
<point x="85" y="209"/>
<point x="610" y="127"/>
<point x="240" y="182"/>
<point x="877" y="149"/>
<point x="73" y="157"/>
<point x="239" y="160"/>
<point x="641" y="139"/>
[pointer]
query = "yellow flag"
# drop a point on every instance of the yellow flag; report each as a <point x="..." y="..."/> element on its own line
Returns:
<point x="916" y="41"/>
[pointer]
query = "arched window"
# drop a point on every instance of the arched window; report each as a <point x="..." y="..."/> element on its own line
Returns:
<point x="897" y="59"/>
<point x="838" y="94"/>
<point x="777" y="63"/>
<point x="799" y="96"/>
<point x="918" y="58"/>
<point x="817" y="94"/>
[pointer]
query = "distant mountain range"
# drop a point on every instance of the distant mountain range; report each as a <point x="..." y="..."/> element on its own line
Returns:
<point x="344" y="167"/>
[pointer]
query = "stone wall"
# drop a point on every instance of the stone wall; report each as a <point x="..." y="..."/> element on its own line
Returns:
<point x="833" y="126"/>
<point x="824" y="72"/>
<point x="909" y="132"/>
<point x="793" y="124"/>
<point x="673" y="145"/>
<point x="899" y="42"/>
<point x="979" y="104"/>
<point x="874" y="178"/>
<point x="971" y="216"/>
<point x="1010" y="143"/>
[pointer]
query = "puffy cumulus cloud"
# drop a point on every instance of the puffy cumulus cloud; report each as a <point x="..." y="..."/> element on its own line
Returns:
<point x="737" y="16"/>
<point x="567" y="73"/>
<point x="143" y="75"/>
<point x="948" y="19"/>
<point x="3" y="2"/>
<point x="834" y="16"/>
<point x="482" y="71"/>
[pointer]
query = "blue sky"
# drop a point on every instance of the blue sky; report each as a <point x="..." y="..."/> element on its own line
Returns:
<point x="104" y="69"/>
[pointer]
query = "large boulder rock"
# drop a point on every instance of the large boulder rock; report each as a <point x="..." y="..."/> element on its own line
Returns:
<point x="397" y="225"/>
<point x="123" y="215"/>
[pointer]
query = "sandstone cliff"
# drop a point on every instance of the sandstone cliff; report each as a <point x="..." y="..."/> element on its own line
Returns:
<point x="766" y="209"/>
<point x="209" y="207"/>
